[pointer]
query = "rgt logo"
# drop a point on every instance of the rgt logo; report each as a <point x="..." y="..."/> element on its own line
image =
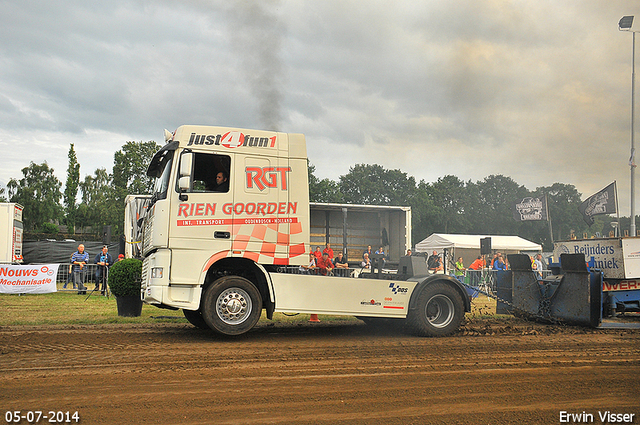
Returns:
<point x="398" y="290"/>
<point x="267" y="177"/>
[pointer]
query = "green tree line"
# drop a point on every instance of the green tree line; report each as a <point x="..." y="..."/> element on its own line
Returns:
<point x="450" y="205"/>
<point x="102" y="194"/>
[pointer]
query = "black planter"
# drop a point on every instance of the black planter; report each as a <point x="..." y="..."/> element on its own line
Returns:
<point x="129" y="306"/>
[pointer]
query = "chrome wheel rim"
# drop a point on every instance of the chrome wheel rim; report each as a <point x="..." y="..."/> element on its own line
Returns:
<point x="233" y="306"/>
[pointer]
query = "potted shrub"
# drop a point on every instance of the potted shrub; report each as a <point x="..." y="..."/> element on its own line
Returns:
<point x="124" y="281"/>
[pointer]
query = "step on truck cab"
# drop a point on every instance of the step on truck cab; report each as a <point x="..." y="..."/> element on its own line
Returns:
<point x="227" y="228"/>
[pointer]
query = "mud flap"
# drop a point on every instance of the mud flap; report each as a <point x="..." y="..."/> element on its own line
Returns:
<point x="573" y="296"/>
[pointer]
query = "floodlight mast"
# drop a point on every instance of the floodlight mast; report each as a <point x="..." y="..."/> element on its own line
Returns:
<point x="626" y="24"/>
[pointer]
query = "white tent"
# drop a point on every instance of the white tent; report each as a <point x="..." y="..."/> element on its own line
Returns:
<point x="468" y="246"/>
<point x="439" y="241"/>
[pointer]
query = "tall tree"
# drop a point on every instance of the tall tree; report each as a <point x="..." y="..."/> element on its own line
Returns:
<point x="564" y="200"/>
<point x="449" y="195"/>
<point x="130" y="168"/>
<point x="38" y="191"/>
<point x="374" y="185"/>
<point x="324" y="190"/>
<point x="492" y="200"/>
<point x="425" y="215"/>
<point x="97" y="208"/>
<point x="71" y="188"/>
<point x="130" y="177"/>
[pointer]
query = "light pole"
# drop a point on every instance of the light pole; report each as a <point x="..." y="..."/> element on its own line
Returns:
<point x="626" y="24"/>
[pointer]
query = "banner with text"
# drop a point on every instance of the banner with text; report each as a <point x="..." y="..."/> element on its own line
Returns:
<point x="33" y="279"/>
<point x="603" y="202"/>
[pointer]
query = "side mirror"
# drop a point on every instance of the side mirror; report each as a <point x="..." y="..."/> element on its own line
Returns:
<point x="184" y="184"/>
<point x="184" y="181"/>
<point x="186" y="164"/>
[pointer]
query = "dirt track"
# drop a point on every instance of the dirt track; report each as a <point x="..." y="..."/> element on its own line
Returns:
<point x="490" y="373"/>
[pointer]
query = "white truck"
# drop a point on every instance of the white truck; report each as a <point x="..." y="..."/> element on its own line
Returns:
<point x="228" y="225"/>
<point x="11" y="234"/>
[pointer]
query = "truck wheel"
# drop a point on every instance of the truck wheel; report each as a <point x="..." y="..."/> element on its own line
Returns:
<point x="195" y="318"/>
<point x="439" y="311"/>
<point x="232" y="305"/>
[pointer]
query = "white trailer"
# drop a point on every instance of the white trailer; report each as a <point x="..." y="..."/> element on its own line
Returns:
<point x="228" y="227"/>
<point x="352" y="228"/>
<point x="11" y="234"/>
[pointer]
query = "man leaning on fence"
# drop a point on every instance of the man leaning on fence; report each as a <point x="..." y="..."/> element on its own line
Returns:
<point x="104" y="261"/>
<point x="80" y="258"/>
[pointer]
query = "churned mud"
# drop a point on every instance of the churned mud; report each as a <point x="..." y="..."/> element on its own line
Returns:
<point x="491" y="372"/>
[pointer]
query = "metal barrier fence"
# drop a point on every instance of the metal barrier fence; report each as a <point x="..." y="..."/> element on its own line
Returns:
<point x="485" y="279"/>
<point x="350" y="272"/>
<point x="88" y="275"/>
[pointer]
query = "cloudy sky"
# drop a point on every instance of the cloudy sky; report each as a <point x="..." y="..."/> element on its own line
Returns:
<point x="538" y="90"/>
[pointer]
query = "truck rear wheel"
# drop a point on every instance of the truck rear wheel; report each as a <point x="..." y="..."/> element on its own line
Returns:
<point x="232" y="305"/>
<point x="195" y="318"/>
<point x="439" y="311"/>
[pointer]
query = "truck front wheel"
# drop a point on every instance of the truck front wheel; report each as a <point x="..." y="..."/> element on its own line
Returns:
<point x="232" y="305"/>
<point x="439" y="311"/>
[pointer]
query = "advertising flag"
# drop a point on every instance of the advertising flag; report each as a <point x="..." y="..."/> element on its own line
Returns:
<point x="603" y="202"/>
<point x="531" y="209"/>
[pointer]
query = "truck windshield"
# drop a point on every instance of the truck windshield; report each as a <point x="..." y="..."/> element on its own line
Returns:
<point x="161" y="184"/>
<point x="160" y="169"/>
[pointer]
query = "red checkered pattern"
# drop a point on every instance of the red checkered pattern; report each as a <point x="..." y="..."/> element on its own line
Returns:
<point x="268" y="243"/>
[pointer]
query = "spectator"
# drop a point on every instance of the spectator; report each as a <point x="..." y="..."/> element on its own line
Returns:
<point x="459" y="271"/>
<point x="317" y="253"/>
<point x="380" y="251"/>
<point x="311" y="266"/>
<point x="538" y="265"/>
<point x="477" y="264"/>
<point x="120" y="257"/>
<point x="328" y="250"/>
<point x="70" y="276"/>
<point x="341" y="262"/>
<point x="325" y="265"/>
<point x="434" y="263"/>
<point x="367" y="251"/>
<point x="366" y="263"/>
<point x="104" y="261"/>
<point x="498" y="263"/>
<point x="409" y="253"/>
<point x="476" y="268"/>
<point x="79" y="259"/>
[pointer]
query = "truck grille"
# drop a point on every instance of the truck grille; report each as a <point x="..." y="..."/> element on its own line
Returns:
<point x="145" y="274"/>
<point x="146" y="235"/>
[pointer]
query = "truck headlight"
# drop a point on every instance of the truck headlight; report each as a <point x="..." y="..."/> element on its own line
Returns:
<point x="156" y="273"/>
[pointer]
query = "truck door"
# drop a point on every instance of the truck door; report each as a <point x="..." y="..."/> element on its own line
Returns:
<point x="202" y="213"/>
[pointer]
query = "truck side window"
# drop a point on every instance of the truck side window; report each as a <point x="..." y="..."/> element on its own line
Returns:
<point x="211" y="172"/>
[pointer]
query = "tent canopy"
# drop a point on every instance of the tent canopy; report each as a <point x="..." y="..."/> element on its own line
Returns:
<point x="440" y="241"/>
